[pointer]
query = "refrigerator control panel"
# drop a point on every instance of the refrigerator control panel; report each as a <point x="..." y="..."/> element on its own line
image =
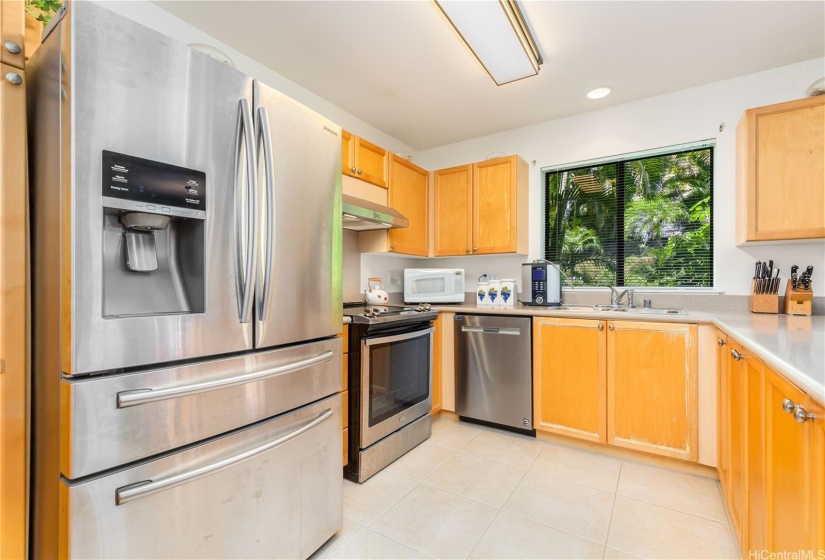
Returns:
<point x="137" y="184"/>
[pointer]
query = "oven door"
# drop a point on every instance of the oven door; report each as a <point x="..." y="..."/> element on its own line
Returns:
<point x="396" y="386"/>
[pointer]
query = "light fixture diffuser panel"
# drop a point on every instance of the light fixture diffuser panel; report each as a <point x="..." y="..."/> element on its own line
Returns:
<point x="494" y="35"/>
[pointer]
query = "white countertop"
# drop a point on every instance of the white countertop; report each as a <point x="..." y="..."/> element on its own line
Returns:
<point x="793" y="346"/>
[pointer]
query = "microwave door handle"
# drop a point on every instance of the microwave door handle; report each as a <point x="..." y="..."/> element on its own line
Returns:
<point x="265" y="138"/>
<point x="145" y="488"/>
<point x="246" y="216"/>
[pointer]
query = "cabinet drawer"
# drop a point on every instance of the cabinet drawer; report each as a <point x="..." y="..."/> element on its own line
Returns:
<point x="113" y="420"/>
<point x="273" y="490"/>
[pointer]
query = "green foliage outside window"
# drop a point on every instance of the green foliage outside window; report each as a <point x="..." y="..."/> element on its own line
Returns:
<point x="43" y="10"/>
<point x="639" y="222"/>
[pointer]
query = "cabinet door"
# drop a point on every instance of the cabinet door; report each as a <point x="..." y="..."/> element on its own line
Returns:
<point x="723" y="413"/>
<point x="14" y="265"/>
<point x="495" y="206"/>
<point x="348" y="154"/>
<point x="735" y="388"/>
<point x="754" y="455"/>
<point x="788" y="455"/>
<point x="816" y="463"/>
<point x="651" y="387"/>
<point x="781" y="171"/>
<point x="408" y="193"/>
<point x="436" y="391"/>
<point x="569" y="377"/>
<point x="371" y="162"/>
<point x="453" y="206"/>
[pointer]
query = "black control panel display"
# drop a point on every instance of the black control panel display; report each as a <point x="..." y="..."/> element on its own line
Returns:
<point x="152" y="182"/>
<point x="538" y="274"/>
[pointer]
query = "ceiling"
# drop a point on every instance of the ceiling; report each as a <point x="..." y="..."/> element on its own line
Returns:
<point x="400" y="67"/>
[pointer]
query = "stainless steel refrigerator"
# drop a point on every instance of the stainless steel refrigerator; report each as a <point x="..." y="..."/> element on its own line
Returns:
<point x="186" y="289"/>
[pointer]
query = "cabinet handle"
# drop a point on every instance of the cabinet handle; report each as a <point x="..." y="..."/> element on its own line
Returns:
<point x="12" y="47"/>
<point x="721" y="342"/>
<point x="353" y="169"/>
<point x="392" y="247"/>
<point x="14" y="78"/>
<point x="801" y="415"/>
<point x="788" y="406"/>
<point x="359" y="171"/>
<point x="601" y="327"/>
<point x="736" y="355"/>
<point x="468" y="249"/>
<point x="611" y="327"/>
<point x="475" y="249"/>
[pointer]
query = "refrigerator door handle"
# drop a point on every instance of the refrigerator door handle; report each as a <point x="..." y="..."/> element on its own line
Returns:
<point x="265" y="137"/>
<point x="246" y="216"/>
<point x="137" y="397"/>
<point x="145" y="488"/>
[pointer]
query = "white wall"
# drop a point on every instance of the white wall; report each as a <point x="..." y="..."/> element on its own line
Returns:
<point x="675" y="118"/>
<point x="154" y="17"/>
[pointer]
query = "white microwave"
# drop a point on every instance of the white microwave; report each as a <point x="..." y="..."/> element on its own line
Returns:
<point x="434" y="285"/>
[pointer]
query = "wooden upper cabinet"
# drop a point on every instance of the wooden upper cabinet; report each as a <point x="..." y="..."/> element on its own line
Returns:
<point x="652" y="387"/>
<point x="364" y="160"/>
<point x="13" y="31"/>
<point x="481" y="209"/>
<point x="453" y="194"/>
<point x="409" y="194"/>
<point x="569" y="377"/>
<point x="499" y="192"/>
<point x="780" y="171"/>
<point x="793" y="480"/>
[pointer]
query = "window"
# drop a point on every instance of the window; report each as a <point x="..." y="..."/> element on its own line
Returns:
<point x="633" y="222"/>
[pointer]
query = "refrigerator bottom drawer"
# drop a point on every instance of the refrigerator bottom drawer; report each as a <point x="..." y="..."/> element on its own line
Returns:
<point x="271" y="490"/>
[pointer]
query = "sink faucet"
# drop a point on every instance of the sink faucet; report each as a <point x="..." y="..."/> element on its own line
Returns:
<point x="616" y="296"/>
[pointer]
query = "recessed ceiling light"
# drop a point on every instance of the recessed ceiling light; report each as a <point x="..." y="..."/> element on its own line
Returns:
<point x="598" y="93"/>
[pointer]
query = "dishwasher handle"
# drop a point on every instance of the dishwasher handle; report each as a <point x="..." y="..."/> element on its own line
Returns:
<point x="512" y="331"/>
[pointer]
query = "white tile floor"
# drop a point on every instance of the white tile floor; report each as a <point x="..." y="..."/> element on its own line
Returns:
<point x="473" y="492"/>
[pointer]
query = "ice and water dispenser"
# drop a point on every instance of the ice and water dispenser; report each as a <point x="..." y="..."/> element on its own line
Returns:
<point x="154" y="225"/>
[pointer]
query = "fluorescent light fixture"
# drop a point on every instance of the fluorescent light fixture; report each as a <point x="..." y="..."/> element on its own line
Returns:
<point x="598" y="93"/>
<point x="498" y="36"/>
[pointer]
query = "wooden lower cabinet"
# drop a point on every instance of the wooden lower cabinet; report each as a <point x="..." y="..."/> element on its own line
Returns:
<point x="345" y="438"/>
<point x="569" y="377"/>
<point x="652" y="387"/>
<point x="793" y="477"/>
<point x="771" y="464"/>
<point x="437" y="390"/>
<point x="631" y="384"/>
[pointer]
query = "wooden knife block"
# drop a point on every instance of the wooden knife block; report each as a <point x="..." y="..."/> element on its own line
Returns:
<point x="798" y="302"/>
<point x="763" y="303"/>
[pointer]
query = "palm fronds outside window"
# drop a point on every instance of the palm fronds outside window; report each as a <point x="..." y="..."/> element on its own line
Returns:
<point x="633" y="222"/>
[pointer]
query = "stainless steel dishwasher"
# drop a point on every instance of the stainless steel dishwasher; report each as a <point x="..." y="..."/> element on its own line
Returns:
<point x="493" y="368"/>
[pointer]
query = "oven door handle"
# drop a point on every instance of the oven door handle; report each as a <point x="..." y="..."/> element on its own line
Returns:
<point x="513" y="331"/>
<point x="397" y="337"/>
<point x="145" y="488"/>
<point x="142" y="396"/>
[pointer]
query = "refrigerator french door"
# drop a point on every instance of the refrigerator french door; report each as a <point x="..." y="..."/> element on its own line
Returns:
<point x="186" y="275"/>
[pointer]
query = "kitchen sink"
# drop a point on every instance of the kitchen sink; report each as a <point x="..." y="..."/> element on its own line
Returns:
<point x="641" y="310"/>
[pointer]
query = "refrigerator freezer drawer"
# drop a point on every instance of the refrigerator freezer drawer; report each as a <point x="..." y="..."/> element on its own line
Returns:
<point x="273" y="490"/>
<point x="113" y="420"/>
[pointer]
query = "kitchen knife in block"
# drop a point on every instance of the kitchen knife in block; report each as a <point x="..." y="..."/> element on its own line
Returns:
<point x="763" y="303"/>
<point x="798" y="302"/>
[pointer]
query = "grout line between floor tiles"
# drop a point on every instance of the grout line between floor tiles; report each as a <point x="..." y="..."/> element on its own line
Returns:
<point x="404" y="545"/>
<point x="673" y="509"/>
<point x="612" y="509"/>
<point x="565" y="531"/>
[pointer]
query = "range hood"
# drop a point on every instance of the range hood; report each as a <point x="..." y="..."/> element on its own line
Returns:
<point x="363" y="215"/>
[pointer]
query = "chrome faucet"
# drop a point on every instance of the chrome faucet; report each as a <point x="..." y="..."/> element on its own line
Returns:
<point x="616" y="296"/>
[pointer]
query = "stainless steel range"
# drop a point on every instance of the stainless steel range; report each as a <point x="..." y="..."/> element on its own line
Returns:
<point x="390" y="384"/>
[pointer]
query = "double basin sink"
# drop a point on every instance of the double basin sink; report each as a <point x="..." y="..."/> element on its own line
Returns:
<point x="620" y="309"/>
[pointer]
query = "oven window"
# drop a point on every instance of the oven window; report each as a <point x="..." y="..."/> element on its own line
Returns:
<point x="429" y="285"/>
<point x="399" y="376"/>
